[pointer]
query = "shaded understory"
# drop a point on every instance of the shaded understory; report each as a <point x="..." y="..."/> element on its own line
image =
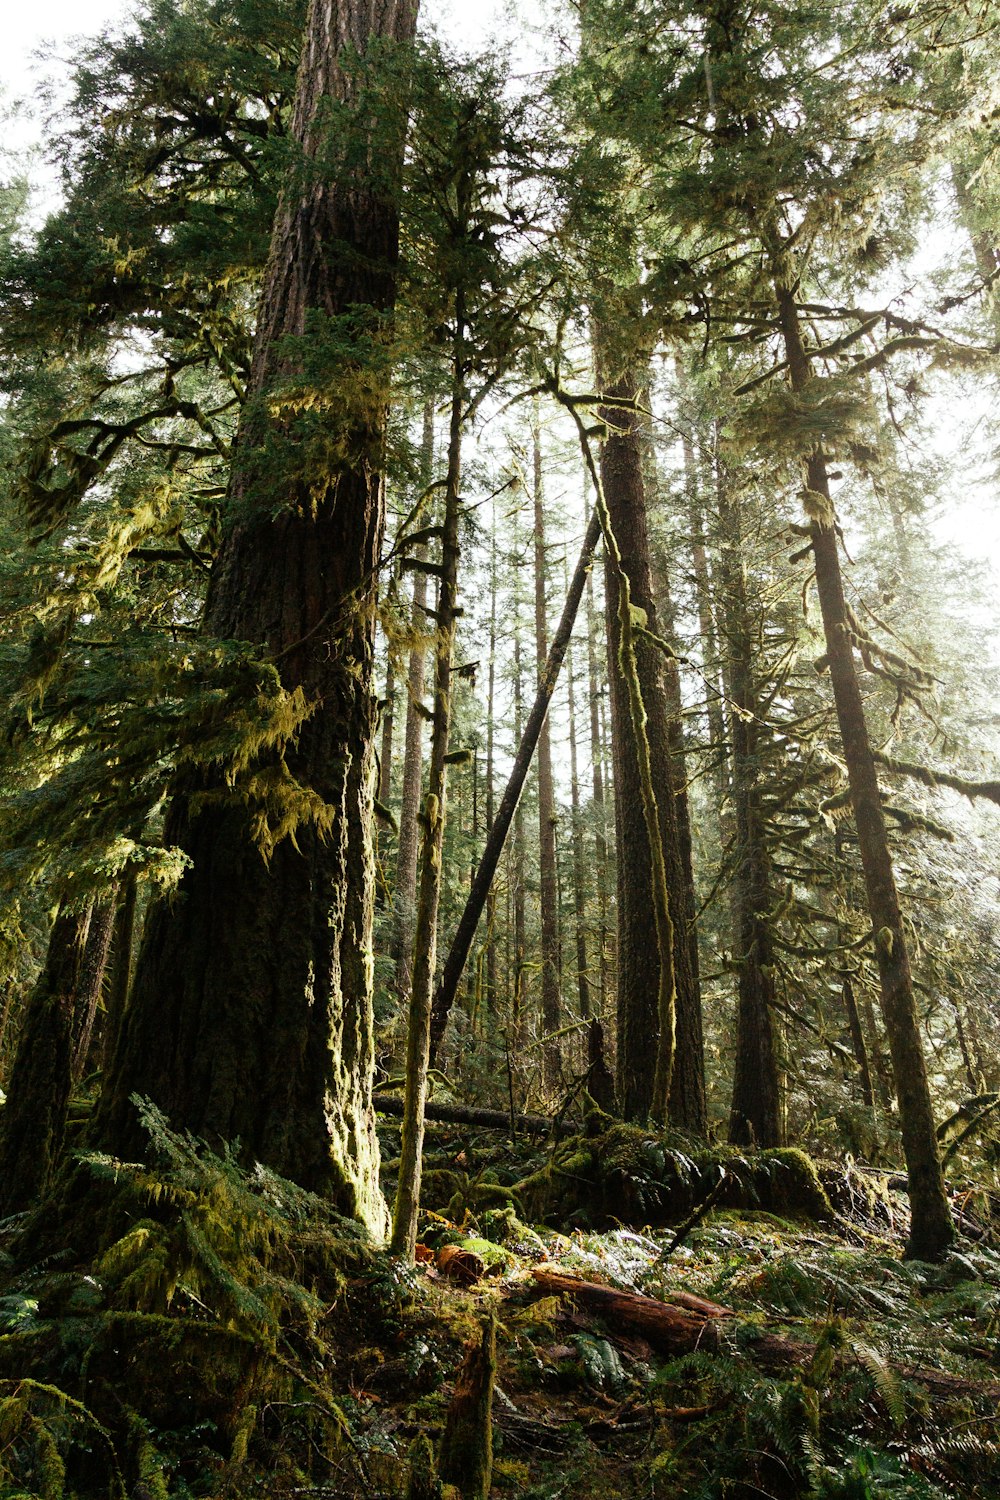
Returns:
<point x="194" y="1331"/>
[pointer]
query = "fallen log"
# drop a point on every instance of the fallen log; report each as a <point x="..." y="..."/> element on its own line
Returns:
<point x="467" y="1114"/>
<point x="686" y="1322"/>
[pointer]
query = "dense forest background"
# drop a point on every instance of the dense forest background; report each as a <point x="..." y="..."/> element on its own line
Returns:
<point x="499" y="755"/>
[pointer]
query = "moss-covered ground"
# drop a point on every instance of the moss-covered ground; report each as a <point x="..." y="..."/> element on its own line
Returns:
<point x="213" y="1334"/>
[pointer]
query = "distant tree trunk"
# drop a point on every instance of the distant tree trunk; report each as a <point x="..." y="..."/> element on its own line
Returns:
<point x="520" y="861"/>
<point x="639" y="956"/>
<point x="91" y="982"/>
<point x="510" y="802"/>
<point x="858" y="1041"/>
<point x="34" y="1117"/>
<point x="418" y="1037"/>
<point x="579" y="857"/>
<point x="600" y="812"/>
<point x="548" y="877"/>
<point x="388" y="722"/>
<point x="251" y="1014"/>
<point x="932" y="1229"/>
<point x="491" y="900"/>
<point x="755" y="1115"/>
<point x="413" y="757"/>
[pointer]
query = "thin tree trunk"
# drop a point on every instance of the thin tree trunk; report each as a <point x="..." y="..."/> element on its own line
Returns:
<point x="413" y="757"/>
<point x="122" y="946"/>
<point x="510" y="803"/>
<point x="418" y="1039"/>
<point x="548" y="877"/>
<point x="251" y="1014"/>
<point x="466" y="928"/>
<point x="579" y="858"/>
<point x="491" y="900"/>
<point x="932" y="1229"/>
<point x="91" y="982"/>
<point x="600" y="811"/>
<point x="755" y="1117"/>
<point x="858" y="1041"/>
<point x="34" y="1117"/>
<point x="388" y="722"/>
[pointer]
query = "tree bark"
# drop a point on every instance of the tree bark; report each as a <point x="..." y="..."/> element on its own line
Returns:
<point x="122" y="946"/>
<point x="932" y="1229"/>
<point x="251" y="1015"/>
<point x="33" y="1120"/>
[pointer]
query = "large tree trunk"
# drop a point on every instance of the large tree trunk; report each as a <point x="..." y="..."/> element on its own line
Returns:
<point x="932" y="1229"/>
<point x="251" y="1014"/>
<point x="548" y="878"/>
<point x="639" y="958"/>
<point x="34" y="1118"/>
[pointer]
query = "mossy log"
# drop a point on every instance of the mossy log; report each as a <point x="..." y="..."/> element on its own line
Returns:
<point x="467" y="1114"/>
<point x="631" y="1176"/>
<point x="684" y="1323"/>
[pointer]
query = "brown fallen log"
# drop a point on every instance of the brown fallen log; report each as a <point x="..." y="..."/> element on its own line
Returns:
<point x="687" y="1322"/>
<point x="466" y="1114"/>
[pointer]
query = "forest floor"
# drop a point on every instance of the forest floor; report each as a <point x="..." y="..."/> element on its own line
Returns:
<point x="233" y="1338"/>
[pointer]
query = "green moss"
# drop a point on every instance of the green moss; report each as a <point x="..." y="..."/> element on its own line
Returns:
<point x="634" y="1176"/>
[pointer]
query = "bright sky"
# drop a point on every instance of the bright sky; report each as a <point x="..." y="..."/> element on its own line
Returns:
<point x="50" y="25"/>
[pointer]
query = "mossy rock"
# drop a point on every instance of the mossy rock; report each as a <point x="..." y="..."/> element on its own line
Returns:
<point x="503" y="1227"/>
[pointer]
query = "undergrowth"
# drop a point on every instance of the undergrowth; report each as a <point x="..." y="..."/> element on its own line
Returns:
<point x="192" y="1330"/>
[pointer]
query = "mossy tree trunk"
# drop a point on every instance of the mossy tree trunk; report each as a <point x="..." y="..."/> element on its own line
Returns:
<point x="466" y="1458"/>
<point x="251" y="1014"/>
<point x="932" y="1229"/>
<point x="644" y="971"/>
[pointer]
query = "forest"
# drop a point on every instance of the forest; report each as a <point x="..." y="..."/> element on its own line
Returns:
<point x="500" y="756"/>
